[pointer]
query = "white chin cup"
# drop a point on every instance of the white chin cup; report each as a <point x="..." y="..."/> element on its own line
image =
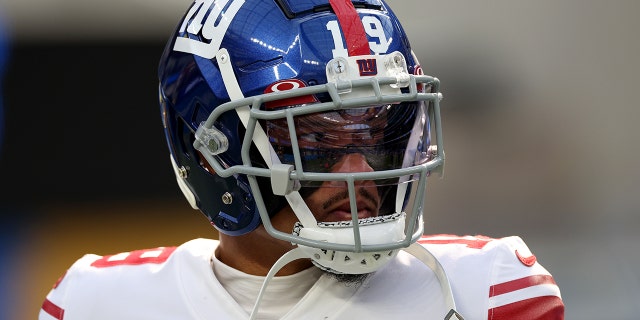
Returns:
<point x="373" y="231"/>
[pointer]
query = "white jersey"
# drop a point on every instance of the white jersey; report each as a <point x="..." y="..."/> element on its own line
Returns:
<point x="490" y="279"/>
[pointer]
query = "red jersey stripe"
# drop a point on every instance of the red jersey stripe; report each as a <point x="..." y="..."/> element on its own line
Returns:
<point x="513" y="285"/>
<point x="52" y="309"/>
<point x="474" y="243"/>
<point x="55" y="285"/>
<point x="352" y="28"/>
<point x="539" y="308"/>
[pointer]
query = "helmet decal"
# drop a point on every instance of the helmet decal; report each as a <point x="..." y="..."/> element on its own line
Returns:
<point x="367" y="67"/>
<point x="285" y="85"/>
<point x="223" y="13"/>
<point x="351" y="26"/>
<point x="371" y="27"/>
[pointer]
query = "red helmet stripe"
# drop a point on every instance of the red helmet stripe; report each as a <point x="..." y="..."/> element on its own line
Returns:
<point x="352" y="28"/>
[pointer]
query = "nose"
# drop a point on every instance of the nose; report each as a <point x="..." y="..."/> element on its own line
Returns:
<point x="352" y="162"/>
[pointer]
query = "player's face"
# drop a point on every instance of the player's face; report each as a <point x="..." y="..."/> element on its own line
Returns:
<point x="335" y="142"/>
<point x="330" y="201"/>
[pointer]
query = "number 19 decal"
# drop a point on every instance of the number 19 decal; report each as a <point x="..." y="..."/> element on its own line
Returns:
<point x="373" y="28"/>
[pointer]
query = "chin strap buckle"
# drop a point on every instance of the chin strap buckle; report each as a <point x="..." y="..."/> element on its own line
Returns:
<point x="453" y="315"/>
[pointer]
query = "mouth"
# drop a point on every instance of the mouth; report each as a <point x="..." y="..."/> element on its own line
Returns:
<point x="342" y="212"/>
<point x="338" y="207"/>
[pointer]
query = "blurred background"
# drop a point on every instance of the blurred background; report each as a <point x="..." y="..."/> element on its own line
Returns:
<point x="539" y="115"/>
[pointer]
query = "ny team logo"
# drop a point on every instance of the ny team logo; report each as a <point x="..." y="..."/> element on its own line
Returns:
<point x="367" y="67"/>
<point x="197" y="22"/>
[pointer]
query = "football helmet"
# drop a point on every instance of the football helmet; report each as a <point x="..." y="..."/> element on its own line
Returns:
<point x="266" y="103"/>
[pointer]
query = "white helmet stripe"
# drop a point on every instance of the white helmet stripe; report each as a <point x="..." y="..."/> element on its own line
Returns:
<point x="260" y="138"/>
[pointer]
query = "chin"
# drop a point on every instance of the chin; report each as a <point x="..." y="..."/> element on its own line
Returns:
<point x="349" y="279"/>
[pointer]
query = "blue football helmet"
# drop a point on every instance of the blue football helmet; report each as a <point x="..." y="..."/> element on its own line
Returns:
<point x="268" y="102"/>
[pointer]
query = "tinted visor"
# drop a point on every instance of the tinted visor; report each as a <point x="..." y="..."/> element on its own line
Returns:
<point x="388" y="137"/>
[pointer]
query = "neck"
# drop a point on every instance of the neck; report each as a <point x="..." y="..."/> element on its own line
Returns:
<point x="256" y="252"/>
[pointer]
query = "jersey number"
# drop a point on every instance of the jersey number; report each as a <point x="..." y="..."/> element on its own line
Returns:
<point x="373" y="28"/>
<point x="157" y="255"/>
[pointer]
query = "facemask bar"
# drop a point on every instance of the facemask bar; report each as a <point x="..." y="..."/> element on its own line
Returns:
<point x="210" y="142"/>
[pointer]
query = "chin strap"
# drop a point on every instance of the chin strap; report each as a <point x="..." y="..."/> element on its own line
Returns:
<point x="292" y="255"/>
<point x="422" y="254"/>
<point x="416" y="250"/>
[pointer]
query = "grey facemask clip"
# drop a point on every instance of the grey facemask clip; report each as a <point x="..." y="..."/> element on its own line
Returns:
<point x="281" y="183"/>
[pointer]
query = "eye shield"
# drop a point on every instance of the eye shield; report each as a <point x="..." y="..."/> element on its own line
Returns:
<point x="385" y="135"/>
